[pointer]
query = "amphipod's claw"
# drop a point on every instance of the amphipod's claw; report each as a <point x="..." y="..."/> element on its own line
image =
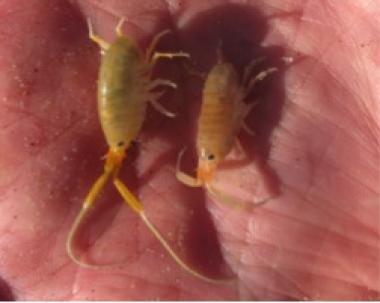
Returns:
<point x="183" y="177"/>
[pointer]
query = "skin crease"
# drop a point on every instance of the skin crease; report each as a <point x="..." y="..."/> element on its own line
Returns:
<point x="317" y="239"/>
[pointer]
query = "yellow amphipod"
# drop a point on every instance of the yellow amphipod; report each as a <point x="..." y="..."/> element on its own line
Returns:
<point x="124" y="90"/>
<point x="222" y="115"/>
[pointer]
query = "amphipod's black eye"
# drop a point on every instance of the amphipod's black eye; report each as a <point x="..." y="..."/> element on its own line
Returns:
<point x="210" y="157"/>
<point x="120" y="144"/>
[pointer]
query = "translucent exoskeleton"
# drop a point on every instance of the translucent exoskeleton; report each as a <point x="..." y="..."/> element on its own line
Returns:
<point x="222" y="116"/>
<point x="125" y="88"/>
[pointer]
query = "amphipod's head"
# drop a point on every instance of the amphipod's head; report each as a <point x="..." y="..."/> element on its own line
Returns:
<point x="207" y="164"/>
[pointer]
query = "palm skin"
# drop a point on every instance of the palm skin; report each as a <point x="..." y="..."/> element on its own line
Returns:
<point x="316" y="135"/>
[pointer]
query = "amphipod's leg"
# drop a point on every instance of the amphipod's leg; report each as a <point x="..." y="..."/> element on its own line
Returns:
<point x="153" y="44"/>
<point x="112" y="165"/>
<point x="247" y="108"/>
<point x="248" y="70"/>
<point x="161" y="82"/>
<point x="119" y="27"/>
<point x="160" y="55"/>
<point x="183" y="177"/>
<point x="151" y="56"/>
<point x="132" y="201"/>
<point x="104" y="45"/>
<point x="259" y="77"/>
<point x="239" y="146"/>
<point x="247" y="129"/>
<point x="154" y="96"/>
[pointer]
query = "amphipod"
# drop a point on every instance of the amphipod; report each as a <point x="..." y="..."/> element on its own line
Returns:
<point x="221" y="118"/>
<point x="124" y="90"/>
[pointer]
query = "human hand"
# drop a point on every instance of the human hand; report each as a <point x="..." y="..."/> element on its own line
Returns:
<point x="317" y="132"/>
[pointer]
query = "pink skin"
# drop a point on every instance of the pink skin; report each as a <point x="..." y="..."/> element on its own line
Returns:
<point x="318" y="239"/>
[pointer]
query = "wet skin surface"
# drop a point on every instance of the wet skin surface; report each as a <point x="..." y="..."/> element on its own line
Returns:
<point x="316" y="143"/>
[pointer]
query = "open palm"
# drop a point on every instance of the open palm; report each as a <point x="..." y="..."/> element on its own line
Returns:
<point x="316" y="140"/>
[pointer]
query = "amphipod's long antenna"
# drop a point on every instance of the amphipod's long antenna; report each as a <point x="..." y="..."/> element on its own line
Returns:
<point x="111" y="167"/>
<point x="70" y="238"/>
<point x="88" y="202"/>
<point x="132" y="201"/>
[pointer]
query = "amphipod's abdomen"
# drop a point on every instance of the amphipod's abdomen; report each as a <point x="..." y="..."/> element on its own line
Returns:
<point x="121" y="86"/>
<point x="216" y="121"/>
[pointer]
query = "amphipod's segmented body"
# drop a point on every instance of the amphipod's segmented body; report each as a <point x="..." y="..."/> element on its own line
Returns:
<point x="220" y="118"/>
<point x="222" y="115"/>
<point x="125" y="87"/>
<point x="124" y="90"/>
<point x="122" y="93"/>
